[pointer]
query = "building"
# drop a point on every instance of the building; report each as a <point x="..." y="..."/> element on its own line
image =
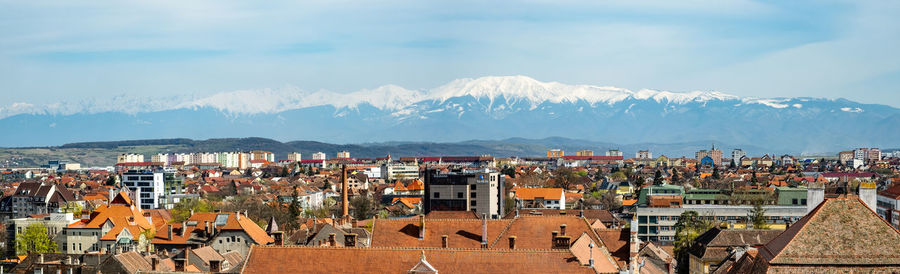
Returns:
<point x="343" y="154"/>
<point x="584" y="152"/>
<point x="35" y="198"/>
<point x="613" y="152"/>
<point x="479" y="190"/>
<point x="713" y="247"/>
<point x="399" y="172"/>
<point x="129" y="158"/>
<point x="841" y="235"/>
<point x="295" y="157"/>
<point x="846" y="156"/>
<point x="714" y="154"/>
<point x="737" y="155"/>
<point x="554" y="198"/>
<point x="889" y="205"/>
<point x="154" y="189"/>
<point x="318" y="156"/>
<point x="55" y="223"/>
<point x="117" y="226"/>
<point x="223" y="231"/>
<point x="555" y="153"/>
<point x="262" y="155"/>
<point x="643" y="154"/>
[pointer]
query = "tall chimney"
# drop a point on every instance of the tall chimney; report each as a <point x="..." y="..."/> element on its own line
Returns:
<point x="562" y="230"/>
<point x="815" y="195"/>
<point x="444" y="242"/>
<point x="344" y="190"/>
<point x="154" y="263"/>
<point x="484" y="230"/>
<point x="634" y="246"/>
<point x="170" y="232"/>
<point x="581" y="213"/>
<point x="331" y="241"/>
<point x="512" y="242"/>
<point x="183" y="228"/>
<point x="421" y="227"/>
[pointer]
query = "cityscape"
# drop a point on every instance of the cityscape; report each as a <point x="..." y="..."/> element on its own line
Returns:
<point x="450" y="137"/>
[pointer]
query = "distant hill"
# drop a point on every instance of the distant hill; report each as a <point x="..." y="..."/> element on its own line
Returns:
<point x="104" y="153"/>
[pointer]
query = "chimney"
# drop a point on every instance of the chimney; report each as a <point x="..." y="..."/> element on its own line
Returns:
<point x="562" y="212"/>
<point x="421" y="227"/>
<point x="815" y="195"/>
<point x="350" y="240"/>
<point x="581" y="213"/>
<point x="215" y="266"/>
<point x="444" y="243"/>
<point x="634" y="245"/>
<point x="484" y="230"/>
<point x="561" y="242"/>
<point x="555" y="234"/>
<point x="40" y="258"/>
<point x="187" y="255"/>
<point x="512" y="242"/>
<point x="279" y="237"/>
<point x="867" y="194"/>
<point x="154" y="263"/>
<point x="562" y="230"/>
<point x="170" y="232"/>
<point x="331" y="241"/>
<point x="183" y="228"/>
<point x="344" y="190"/>
<point x="237" y="215"/>
<point x="179" y="264"/>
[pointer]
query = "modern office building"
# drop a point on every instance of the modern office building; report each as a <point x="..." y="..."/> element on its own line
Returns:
<point x="154" y="188"/>
<point x="466" y="190"/>
<point x="399" y="171"/>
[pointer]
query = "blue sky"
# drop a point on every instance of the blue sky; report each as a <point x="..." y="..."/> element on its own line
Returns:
<point x="67" y="50"/>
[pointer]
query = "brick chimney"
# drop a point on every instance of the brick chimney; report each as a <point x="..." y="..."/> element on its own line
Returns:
<point x="421" y="227"/>
<point x="555" y="234"/>
<point x="154" y="263"/>
<point x="562" y="230"/>
<point x="484" y="230"/>
<point x="215" y="266"/>
<point x="278" y="236"/>
<point x="179" y="264"/>
<point x="561" y="242"/>
<point x="512" y="242"/>
<point x="350" y="240"/>
<point x="345" y="203"/>
<point x="444" y="243"/>
<point x="331" y="241"/>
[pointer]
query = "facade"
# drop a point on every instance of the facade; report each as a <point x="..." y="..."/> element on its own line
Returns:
<point x="35" y="198"/>
<point x="613" y="152"/>
<point x="737" y="155"/>
<point x="555" y="153"/>
<point x="318" y="156"/>
<point x="295" y="157"/>
<point x="55" y="223"/>
<point x="399" y="171"/>
<point x="889" y="205"/>
<point x="129" y="158"/>
<point x="262" y="155"/>
<point x="223" y="231"/>
<point x="584" y="152"/>
<point x="644" y="154"/>
<point x="714" y="154"/>
<point x="480" y="191"/>
<point x="118" y="226"/>
<point x="154" y="189"/>
<point x="343" y="154"/>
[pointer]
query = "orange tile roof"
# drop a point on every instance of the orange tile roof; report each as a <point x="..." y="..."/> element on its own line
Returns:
<point x="245" y="224"/>
<point x="416" y="185"/>
<point x="299" y="259"/>
<point x="121" y="213"/>
<point x="545" y="193"/>
<point x="409" y="202"/>
<point x="461" y="233"/>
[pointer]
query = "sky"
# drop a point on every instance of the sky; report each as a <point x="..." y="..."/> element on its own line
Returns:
<point x="53" y="51"/>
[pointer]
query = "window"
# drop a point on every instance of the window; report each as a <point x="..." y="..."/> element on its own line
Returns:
<point x="437" y="195"/>
<point x="232" y="239"/>
<point x="794" y="201"/>
<point x="472" y="195"/>
<point x="474" y="187"/>
<point x="802" y="201"/>
<point x="459" y="195"/>
<point x="472" y="203"/>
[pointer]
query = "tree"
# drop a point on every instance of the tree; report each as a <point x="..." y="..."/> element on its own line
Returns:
<point x="753" y="179"/>
<point x="757" y="215"/>
<point x="285" y="172"/>
<point x="715" y="174"/>
<point x="182" y="210"/>
<point x="609" y="201"/>
<point x="675" y="178"/>
<point x="72" y="207"/>
<point x="34" y="239"/>
<point x="565" y="178"/>
<point x="327" y="185"/>
<point x="657" y="178"/>
<point x="689" y="226"/>
<point x="733" y="165"/>
<point x="362" y="207"/>
<point x="111" y="180"/>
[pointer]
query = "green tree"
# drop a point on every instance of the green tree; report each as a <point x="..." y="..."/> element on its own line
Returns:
<point x="675" y="178"/>
<point x="34" y="239"/>
<point x="715" y="174"/>
<point x="757" y="215"/>
<point x="285" y="172"/>
<point x="111" y="180"/>
<point x="657" y="178"/>
<point x="182" y="210"/>
<point x="689" y="226"/>
<point x="74" y="208"/>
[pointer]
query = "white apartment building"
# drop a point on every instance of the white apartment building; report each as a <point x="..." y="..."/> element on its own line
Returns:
<point x="318" y="156"/>
<point x="395" y="171"/>
<point x="153" y="188"/>
<point x="613" y="152"/>
<point x="129" y="158"/>
<point x="644" y="154"/>
<point x="295" y="157"/>
<point x="736" y="156"/>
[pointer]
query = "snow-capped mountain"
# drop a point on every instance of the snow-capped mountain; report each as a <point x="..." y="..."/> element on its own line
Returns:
<point x="464" y="109"/>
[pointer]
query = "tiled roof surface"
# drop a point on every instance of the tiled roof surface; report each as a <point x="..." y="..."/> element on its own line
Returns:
<point x="122" y="215"/>
<point x="537" y="232"/>
<point x="602" y="262"/>
<point x="840" y="231"/>
<point x="616" y="241"/>
<point x="133" y="261"/>
<point x="461" y="233"/>
<point x="232" y="223"/>
<point x="714" y="243"/>
<point x="435" y="214"/>
<point x="295" y="259"/>
<point x="892" y="192"/>
<point x="545" y="193"/>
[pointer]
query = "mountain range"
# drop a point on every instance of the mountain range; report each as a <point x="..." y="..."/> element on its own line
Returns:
<point x="490" y="108"/>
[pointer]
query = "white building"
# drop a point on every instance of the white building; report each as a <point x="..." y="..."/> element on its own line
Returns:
<point x="152" y="189"/>
<point x="644" y="154"/>
<point x="295" y="157"/>
<point x="736" y="156"/>
<point x="395" y="171"/>
<point x="343" y="154"/>
<point x="614" y="152"/>
<point x="318" y="156"/>
<point x="129" y="158"/>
